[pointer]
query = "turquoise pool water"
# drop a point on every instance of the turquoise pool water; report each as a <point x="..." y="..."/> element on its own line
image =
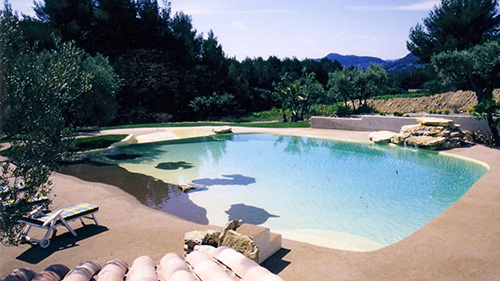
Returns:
<point x="347" y="195"/>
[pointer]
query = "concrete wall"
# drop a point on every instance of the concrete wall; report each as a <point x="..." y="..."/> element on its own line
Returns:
<point x="391" y="123"/>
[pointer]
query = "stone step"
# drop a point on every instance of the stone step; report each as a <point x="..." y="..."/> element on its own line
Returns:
<point x="267" y="242"/>
<point x="274" y="246"/>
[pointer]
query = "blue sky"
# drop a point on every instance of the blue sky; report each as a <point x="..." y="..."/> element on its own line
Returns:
<point x="302" y="29"/>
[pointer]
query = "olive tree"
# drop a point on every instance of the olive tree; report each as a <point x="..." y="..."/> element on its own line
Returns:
<point x="476" y="69"/>
<point x="36" y="86"/>
<point x="351" y="84"/>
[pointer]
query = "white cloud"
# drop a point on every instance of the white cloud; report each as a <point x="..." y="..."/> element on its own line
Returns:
<point x="424" y="6"/>
<point x="208" y="11"/>
<point x="239" y="25"/>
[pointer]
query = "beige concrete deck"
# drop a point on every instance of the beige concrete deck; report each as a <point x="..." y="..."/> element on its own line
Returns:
<point x="463" y="243"/>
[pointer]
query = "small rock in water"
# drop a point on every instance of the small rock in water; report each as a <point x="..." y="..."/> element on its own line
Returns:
<point x="189" y="186"/>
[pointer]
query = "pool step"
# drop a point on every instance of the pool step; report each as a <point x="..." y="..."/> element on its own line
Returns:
<point x="267" y="242"/>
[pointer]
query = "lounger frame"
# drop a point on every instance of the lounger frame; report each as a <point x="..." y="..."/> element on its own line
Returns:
<point x="54" y="219"/>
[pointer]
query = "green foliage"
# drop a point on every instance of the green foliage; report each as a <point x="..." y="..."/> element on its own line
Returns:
<point x="476" y="69"/>
<point x="211" y="239"/>
<point x="168" y="70"/>
<point x="272" y="124"/>
<point x="486" y="108"/>
<point x="351" y="84"/>
<point x="97" y="106"/>
<point x="343" y="110"/>
<point x="323" y="110"/>
<point x="414" y="79"/>
<point x="39" y="88"/>
<point x="97" y="142"/>
<point x="454" y="25"/>
<point x="214" y="105"/>
<point x="397" y="113"/>
<point x="297" y="95"/>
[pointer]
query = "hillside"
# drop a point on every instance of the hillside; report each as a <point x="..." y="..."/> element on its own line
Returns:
<point x="356" y="61"/>
<point x="408" y="63"/>
<point x="452" y="100"/>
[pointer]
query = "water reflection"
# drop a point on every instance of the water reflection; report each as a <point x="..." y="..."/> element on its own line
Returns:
<point x="123" y="156"/>
<point x="148" y="190"/>
<point x="296" y="145"/>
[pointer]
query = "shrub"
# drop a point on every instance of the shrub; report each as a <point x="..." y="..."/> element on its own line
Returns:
<point x="365" y="109"/>
<point x="211" y="239"/>
<point x="397" y="113"/>
<point x="322" y="110"/>
<point x="430" y="111"/>
<point x="446" y="111"/>
<point x="342" y="110"/>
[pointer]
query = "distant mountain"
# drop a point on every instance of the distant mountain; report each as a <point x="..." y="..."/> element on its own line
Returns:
<point x="356" y="61"/>
<point x="408" y="63"/>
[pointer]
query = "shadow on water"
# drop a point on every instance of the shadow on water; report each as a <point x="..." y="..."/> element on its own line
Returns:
<point x="249" y="214"/>
<point x="148" y="190"/>
<point x="228" y="180"/>
<point x="174" y="165"/>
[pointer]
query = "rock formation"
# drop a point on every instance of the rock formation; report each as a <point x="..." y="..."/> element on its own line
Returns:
<point x="430" y="133"/>
<point x="222" y="130"/>
<point x="227" y="237"/>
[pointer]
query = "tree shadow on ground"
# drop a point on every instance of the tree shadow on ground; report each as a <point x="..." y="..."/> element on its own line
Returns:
<point x="36" y="254"/>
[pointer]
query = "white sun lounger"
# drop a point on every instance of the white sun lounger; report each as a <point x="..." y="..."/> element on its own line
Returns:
<point x="52" y="220"/>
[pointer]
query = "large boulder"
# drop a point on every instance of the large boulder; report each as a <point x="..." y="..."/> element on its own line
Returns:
<point x="381" y="136"/>
<point x="431" y="133"/>
<point x="425" y="142"/>
<point x="240" y="243"/>
<point x="433" y="121"/>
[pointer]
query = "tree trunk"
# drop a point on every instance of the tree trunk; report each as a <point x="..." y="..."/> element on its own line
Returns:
<point x="493" y="128"/>
<point x="483" y="96"/>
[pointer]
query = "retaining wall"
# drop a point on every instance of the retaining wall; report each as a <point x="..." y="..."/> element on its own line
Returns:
<point x="391" y="123"/>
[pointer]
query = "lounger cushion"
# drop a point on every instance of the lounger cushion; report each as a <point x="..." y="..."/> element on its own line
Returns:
<point x="68" y="213"/>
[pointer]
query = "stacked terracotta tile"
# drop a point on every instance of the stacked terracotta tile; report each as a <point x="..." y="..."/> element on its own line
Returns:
<point x="205" y="264"/>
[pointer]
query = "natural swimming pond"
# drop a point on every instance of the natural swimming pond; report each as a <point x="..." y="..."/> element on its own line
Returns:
<point x="354" y="196"/>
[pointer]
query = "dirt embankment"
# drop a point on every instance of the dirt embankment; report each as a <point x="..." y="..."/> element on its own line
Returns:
<point x="454" y="101"/>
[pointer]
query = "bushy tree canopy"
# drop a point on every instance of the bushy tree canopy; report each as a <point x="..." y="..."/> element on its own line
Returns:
<point x="297" y="95"/>
<point x="351" y="84"/>
<point x="476" y="69"/>
<point x="40" y="89"/>
<point x="454" y="25"/>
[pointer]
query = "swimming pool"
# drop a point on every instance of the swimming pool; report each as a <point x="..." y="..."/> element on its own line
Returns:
<point x="354" y="196"/>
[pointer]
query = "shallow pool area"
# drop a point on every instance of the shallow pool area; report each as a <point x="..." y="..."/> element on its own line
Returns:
<point x="345" y="195"/>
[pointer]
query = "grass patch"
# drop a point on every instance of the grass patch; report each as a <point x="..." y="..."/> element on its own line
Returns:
<point x="97" y="142"/>
<point x="302" y="124"/>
